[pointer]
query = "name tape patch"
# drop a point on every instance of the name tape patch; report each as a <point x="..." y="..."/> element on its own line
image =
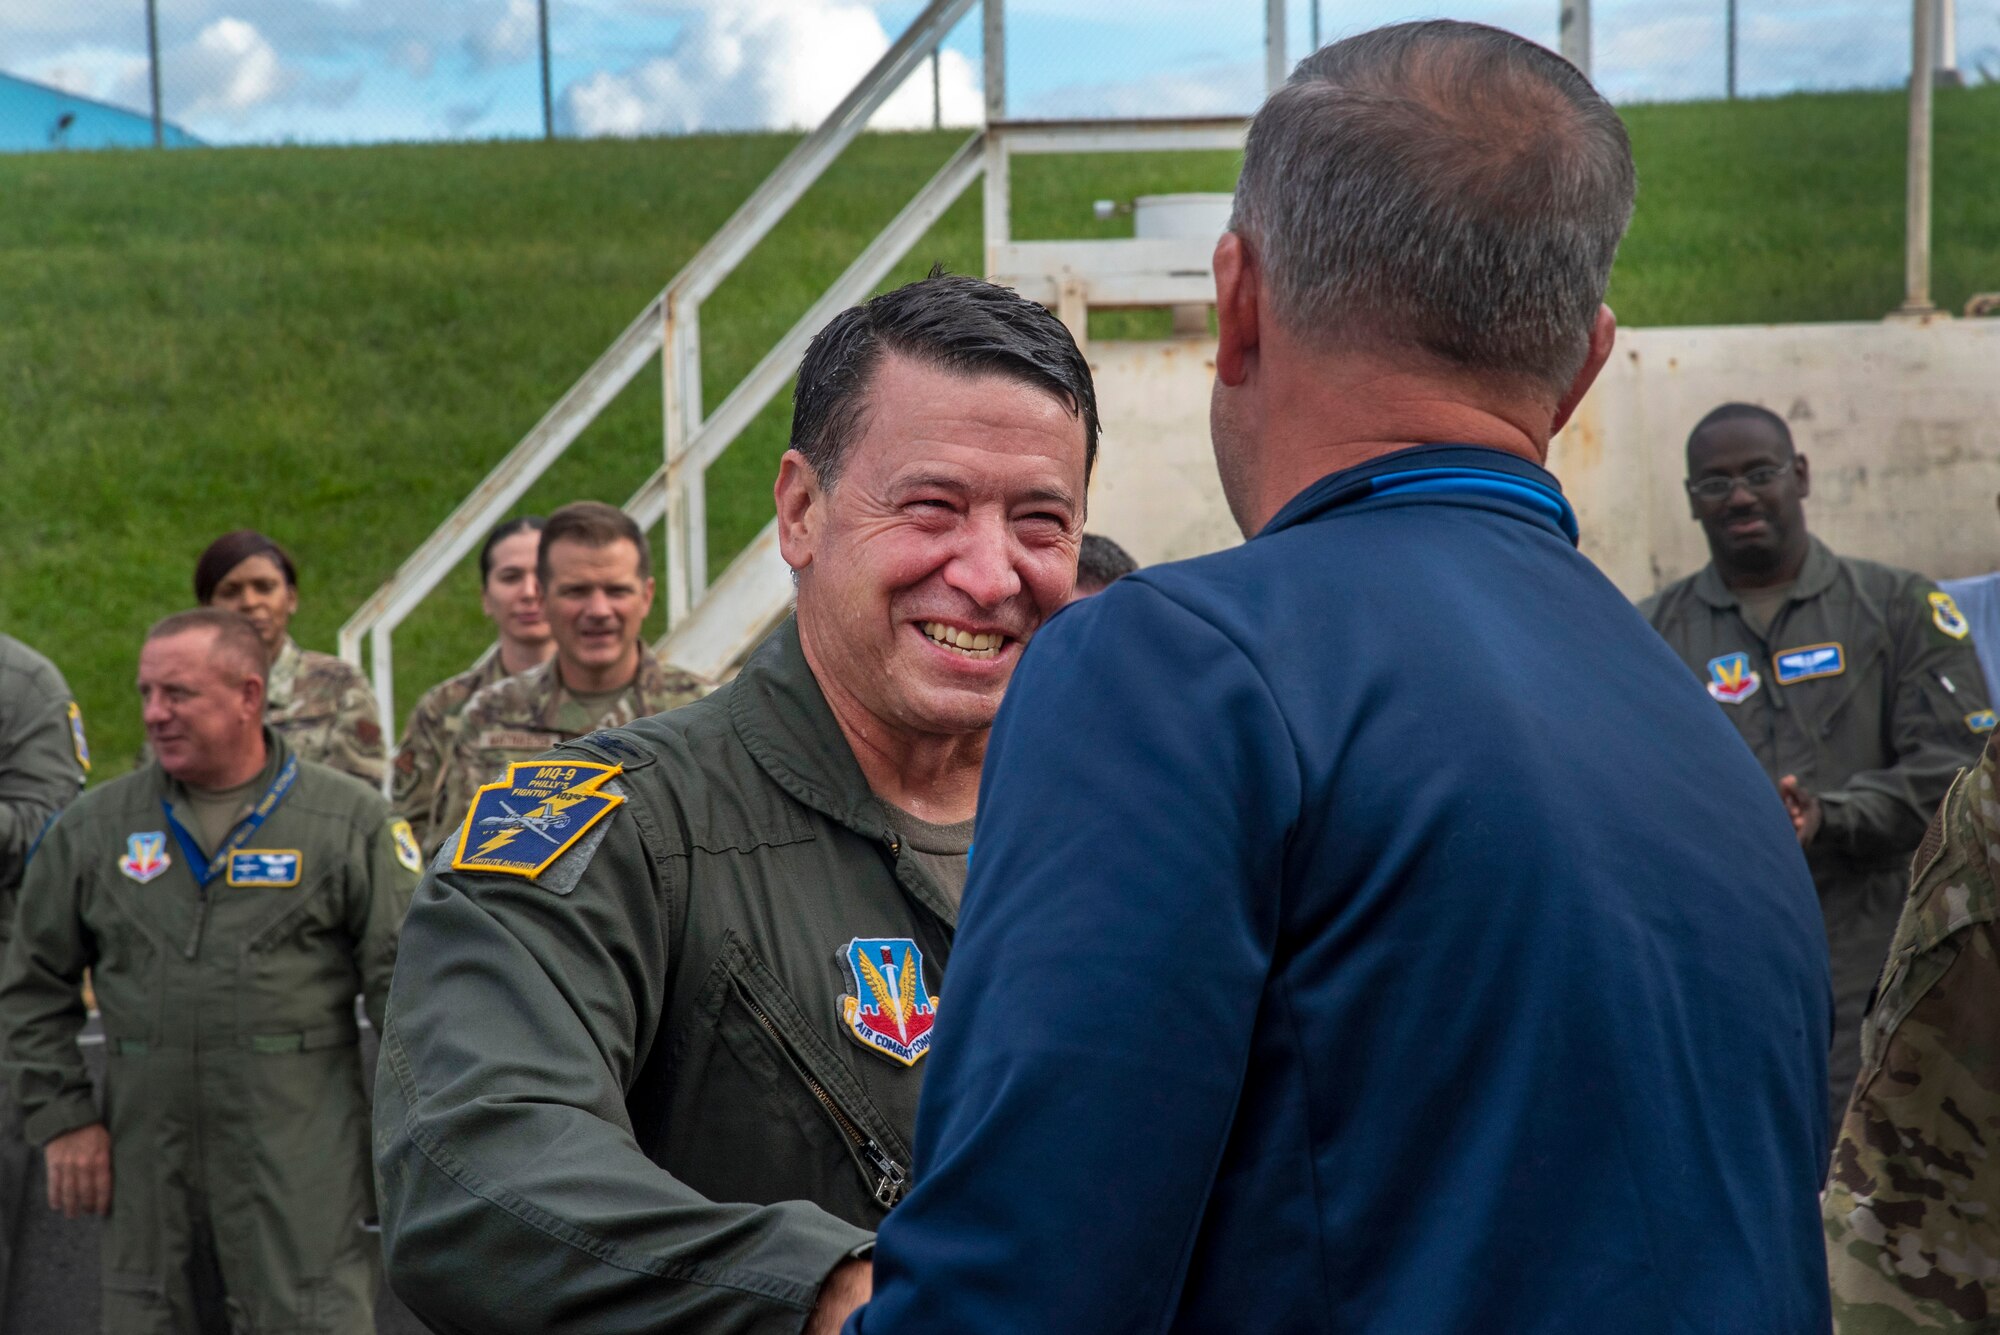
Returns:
<point x="525" y="821"/>
<point x="266" y="868"/>
<point x="1809" y="661"/>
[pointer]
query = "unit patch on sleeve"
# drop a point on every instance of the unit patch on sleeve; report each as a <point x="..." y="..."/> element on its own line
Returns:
<point x="1980" y="720"/>
<point x="267" y="868"/>
<point x="1946" y="616"/>
<point x="892" y="1009"/>
<point x="76" y="736"/>
<point x="527" y="820"/>
<point x="405" y="839"/>
<point x="1731" y="679"/>
<point x="1808" y="662"/>
<point x="145" y="856"/>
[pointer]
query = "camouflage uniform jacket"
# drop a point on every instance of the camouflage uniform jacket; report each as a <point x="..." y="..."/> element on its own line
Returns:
<point x="518" y="718"/>
<point x="428" y="738"/>
<point x="322" y="707"/>
<point x="43" y="760"/>
<point x="1912" y="1207"/>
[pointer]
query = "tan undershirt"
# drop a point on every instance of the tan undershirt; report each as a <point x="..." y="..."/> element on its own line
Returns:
<point x="942" y="850"/>
<point x="597" y="704"/>
<point x="1760" y="606"/>
<point x="216" y="811"/>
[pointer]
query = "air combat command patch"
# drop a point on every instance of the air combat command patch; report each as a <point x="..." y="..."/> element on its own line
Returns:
<point x="533" y="816"/>
<point x="1946" y="616"/>
<point x="892" y="1010"/>
<point x="1731" y="679"/>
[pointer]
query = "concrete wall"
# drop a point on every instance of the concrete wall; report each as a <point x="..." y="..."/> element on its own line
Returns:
<point x="1901" y="423"/>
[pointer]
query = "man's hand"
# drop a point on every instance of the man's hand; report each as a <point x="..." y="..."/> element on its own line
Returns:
<point x="845" y="1289"/>
<point x="1804" y="809"/>
<point x="79" y="1165"/>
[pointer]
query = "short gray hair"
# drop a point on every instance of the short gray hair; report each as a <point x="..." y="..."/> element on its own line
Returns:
<point x="1444" y="187"/>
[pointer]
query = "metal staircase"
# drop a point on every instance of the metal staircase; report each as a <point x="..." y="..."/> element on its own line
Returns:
<point x="710" y="627"/>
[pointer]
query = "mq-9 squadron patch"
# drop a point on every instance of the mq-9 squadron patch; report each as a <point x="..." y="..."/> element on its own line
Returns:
<point x="533" y="816"/>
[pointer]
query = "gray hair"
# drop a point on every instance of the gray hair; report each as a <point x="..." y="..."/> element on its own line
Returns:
<point x="1443" y="187"/>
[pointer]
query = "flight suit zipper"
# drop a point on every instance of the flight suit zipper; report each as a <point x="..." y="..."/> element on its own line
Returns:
<point x="890" y="1176"/>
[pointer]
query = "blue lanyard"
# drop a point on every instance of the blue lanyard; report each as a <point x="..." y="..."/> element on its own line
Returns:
<point x="244" y="829"/>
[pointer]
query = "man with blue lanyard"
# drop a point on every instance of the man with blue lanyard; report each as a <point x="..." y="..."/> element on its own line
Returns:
<point x="1372" y="928"/>
<point x="229" y="901"/>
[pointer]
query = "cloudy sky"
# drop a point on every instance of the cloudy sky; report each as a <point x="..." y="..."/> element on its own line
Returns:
<point x="345" y="70"/>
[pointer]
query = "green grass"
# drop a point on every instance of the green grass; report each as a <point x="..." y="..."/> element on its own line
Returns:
<point x="335" y="344"/>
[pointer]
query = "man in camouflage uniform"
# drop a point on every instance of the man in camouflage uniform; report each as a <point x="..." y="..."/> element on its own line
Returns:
<point x="1912" y="1209"/>
<point x="229" y="901"/>
<point x="510" y="594"/>
<point x="1853" y="683"/>
<point x="595" y="571"/>
<point x="43" y="761"/>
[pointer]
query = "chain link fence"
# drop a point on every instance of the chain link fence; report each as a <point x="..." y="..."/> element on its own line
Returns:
<point x="88" y="73"/>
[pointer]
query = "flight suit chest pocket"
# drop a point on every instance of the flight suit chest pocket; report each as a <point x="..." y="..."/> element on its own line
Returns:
<point x="802" y="1080"/>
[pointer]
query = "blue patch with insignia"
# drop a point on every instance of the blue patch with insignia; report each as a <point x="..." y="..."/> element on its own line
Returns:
<point x="524" y="822"/>
<point x="1731" y="679"/>
<point x="892" y="1009"/>
<point x="76" y="739"/>
<point x="1980" y="720"/>
<point x="1809" y="661"/>
<point x="1946" y="616"/>
<point x="270" y="868"/>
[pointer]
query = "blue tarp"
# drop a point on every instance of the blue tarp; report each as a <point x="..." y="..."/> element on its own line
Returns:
<point x="37" y="118"/>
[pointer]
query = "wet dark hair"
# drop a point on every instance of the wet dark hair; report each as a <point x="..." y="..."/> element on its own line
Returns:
<point x="1743" y="412"/>
<point x="958" y="324"/>
<point x="502" y="531"/>
<point x="232" y="550"/>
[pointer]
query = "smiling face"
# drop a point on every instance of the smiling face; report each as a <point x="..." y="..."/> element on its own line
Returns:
<point x="512" y="597"/>
<point x="950" y="535"/>
<point x="596" y="607"/>
<point x="202" y="712"/>
<point x="256" y="586"/>
<point x="1757" y="529"/>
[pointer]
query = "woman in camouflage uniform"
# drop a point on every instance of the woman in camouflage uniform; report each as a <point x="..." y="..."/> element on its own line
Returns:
<point x="319" y="704"/>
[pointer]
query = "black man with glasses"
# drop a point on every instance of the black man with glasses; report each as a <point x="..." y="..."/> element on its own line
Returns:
<point x="1855" y="684"/>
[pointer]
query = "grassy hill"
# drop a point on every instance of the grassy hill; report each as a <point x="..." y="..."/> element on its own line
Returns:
<point x="335" y="344"/>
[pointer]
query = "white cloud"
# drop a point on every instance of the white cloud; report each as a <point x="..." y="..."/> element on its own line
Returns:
<point x="763" y="63"/>
<point x="1229" y="88"/>
<point x="231" y="69"/>
<point x="513" y="36"/>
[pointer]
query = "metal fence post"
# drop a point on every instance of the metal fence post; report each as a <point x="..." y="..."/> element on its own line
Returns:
<point x="1275" y="68"/>
<point x="1917" y="204"/>
<point x="153" y="70"/>
<point x="1573" y="34"/>
<point x="999" y="203"/>
<point x="548" y="99"/>
<point x="1315" y="24"/>
<point x="1729" y="49"/>
<point x="937" y="88"/>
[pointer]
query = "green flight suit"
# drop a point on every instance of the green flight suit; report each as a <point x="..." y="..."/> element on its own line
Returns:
<point x="1877" y="731"/>
<point x="233" y="1086"/>
<point x="43" y="761"/>
<point x="627" y="1093"/>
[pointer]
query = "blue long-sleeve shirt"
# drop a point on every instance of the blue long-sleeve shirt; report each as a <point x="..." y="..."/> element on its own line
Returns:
<point x="1372" y="928"/>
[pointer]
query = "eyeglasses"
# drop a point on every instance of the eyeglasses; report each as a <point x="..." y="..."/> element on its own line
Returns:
<point x="1718" y="488"/>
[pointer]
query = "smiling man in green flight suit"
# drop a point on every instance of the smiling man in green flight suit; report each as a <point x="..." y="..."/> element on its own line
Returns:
<point x="663" y="1006"/>
<point x="230" y="901"/>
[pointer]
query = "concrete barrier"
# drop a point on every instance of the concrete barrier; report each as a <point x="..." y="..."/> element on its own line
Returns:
<point x="1900" y="420"/>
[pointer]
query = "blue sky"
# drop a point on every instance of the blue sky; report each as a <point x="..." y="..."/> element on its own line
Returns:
<point x="347" y="70"/>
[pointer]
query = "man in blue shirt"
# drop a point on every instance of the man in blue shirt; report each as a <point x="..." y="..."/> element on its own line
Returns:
<point x="1373" y="928"/>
